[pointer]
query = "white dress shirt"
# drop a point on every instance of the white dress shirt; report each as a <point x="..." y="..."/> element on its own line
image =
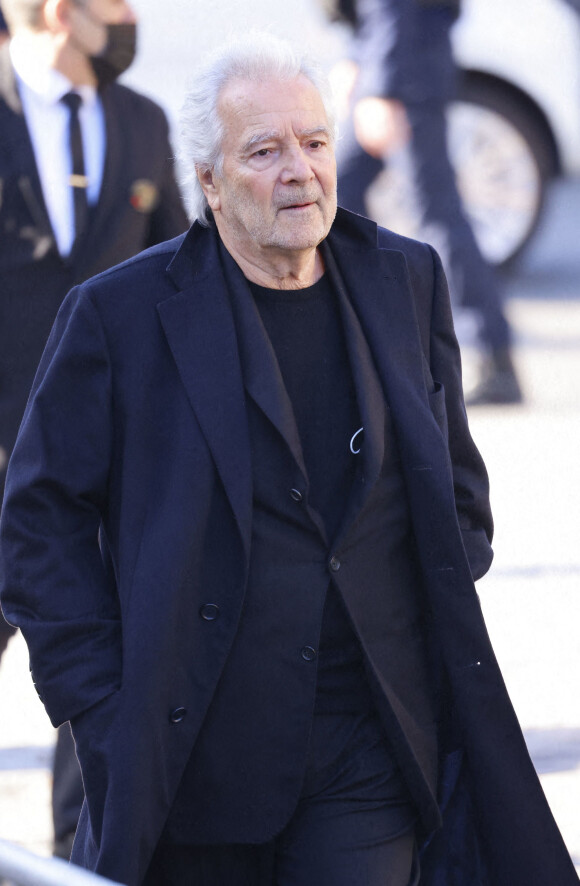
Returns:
<point x="40" y="89"/>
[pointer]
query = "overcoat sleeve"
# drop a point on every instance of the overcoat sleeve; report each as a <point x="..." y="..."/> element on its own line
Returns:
<point x="54" y="584"/>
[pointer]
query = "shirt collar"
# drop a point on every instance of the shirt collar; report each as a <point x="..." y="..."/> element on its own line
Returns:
<point x="47" y="84"/>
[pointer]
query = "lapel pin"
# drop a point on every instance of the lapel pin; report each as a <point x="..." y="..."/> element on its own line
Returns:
<point x="144" y="195"/>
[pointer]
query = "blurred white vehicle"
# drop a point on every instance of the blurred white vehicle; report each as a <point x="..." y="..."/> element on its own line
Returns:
<point x="515" y="126"/>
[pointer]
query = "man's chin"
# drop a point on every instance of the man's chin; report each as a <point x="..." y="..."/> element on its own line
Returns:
<point x="299" y="236"/>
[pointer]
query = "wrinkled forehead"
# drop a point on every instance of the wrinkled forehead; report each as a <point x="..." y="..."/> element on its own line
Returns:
<point x="249" y="107"/>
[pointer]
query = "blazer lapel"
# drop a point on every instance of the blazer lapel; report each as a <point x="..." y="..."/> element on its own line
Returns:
<point x="15" y="136"/>
<point x="199" y="328"/>
<point x="262" y="377"/>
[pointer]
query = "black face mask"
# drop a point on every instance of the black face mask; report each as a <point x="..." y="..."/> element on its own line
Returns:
<point x="117" y="55"/>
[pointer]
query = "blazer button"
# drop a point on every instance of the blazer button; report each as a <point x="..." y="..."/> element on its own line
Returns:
<point x="209" y="611"/>
<point x="308" y="653"/>
<point x="177" y="715"/>
<point x="296" y="494"/>
<point x="334" y="564"/>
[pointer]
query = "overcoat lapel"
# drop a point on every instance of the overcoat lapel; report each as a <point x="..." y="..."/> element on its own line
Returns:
<point x="388" y="321"/>
<point x="381" y="293"/>
<point x="199" y="328"/>
<point x="379" y="288"/>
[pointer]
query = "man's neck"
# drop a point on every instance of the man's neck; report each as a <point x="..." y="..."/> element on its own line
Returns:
<point x="295" y="270"/>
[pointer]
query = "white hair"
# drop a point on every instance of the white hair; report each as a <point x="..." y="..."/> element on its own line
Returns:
<point x="257" y="56"/>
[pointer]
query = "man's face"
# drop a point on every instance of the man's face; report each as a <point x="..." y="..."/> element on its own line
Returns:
<point x="89" y="19"/>
<point x="277" y="191"/>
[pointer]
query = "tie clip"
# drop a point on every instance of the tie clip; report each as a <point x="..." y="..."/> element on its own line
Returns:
<point x="78" y="181"/>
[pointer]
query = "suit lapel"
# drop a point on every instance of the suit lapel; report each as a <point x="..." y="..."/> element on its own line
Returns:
<point x="15" y="136"/>
<point x="199" y="328"/>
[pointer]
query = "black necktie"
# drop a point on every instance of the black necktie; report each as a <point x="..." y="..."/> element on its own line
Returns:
<point x="78" y="180"/>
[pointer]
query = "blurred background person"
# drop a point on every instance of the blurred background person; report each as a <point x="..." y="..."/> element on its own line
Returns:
<point x="396" y="85"/>
<point x="87" y="180"/>
<point x="3" y="29"/>
<point x="5" y="629"/>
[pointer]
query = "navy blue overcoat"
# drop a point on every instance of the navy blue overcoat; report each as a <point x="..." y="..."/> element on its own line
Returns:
<point x="135" y="426"/>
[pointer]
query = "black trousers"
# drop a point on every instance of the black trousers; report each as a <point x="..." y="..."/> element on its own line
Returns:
<point x="354" y="824"/>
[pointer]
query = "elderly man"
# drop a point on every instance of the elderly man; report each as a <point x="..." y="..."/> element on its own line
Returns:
<point x="242" y="523"/>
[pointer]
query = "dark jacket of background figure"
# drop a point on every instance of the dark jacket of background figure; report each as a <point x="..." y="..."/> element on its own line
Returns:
<point x="139" y="206"/>
<point x="125" y="651"/>
<point x="402" y="49"/>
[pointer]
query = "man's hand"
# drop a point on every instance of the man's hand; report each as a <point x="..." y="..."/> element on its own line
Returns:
<point x="380" y="125"/>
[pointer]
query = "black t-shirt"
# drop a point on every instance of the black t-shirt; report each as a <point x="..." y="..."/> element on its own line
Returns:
<point x="306" y="332"/>
<point x="305" y="329"/>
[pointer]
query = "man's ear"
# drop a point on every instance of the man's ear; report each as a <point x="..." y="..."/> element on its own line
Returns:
<point x="207" y="181"/>
<point x="56" y="15"/>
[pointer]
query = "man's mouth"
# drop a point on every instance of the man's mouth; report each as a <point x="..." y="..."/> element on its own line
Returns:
<point x="299" y="205"/>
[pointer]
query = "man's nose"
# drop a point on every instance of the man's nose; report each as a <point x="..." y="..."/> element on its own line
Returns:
<point x="296" y="166"/>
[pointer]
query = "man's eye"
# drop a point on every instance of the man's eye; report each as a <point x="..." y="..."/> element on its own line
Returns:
<point x="263" y="152"/>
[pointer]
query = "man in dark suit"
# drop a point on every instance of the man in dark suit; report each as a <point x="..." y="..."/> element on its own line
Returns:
<point x="59" y="47"/>
<point x="251" y="589"/>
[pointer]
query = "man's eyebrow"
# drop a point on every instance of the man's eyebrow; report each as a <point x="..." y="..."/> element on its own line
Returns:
<point x="316" y="130"/>
<point x="275" y="135"/>
<point x="260" y="137"/>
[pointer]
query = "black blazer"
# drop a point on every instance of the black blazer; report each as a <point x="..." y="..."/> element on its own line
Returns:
<point x="139" y="206"/>
<point x="137" y="434"/>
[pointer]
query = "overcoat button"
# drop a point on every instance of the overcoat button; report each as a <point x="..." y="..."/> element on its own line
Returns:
<point x="177" y="715"/>
<point x="334" y="564"/>
<point x="296" y="494"/>
<point x="209" y="611"/>
<point x="308" y="653"/>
